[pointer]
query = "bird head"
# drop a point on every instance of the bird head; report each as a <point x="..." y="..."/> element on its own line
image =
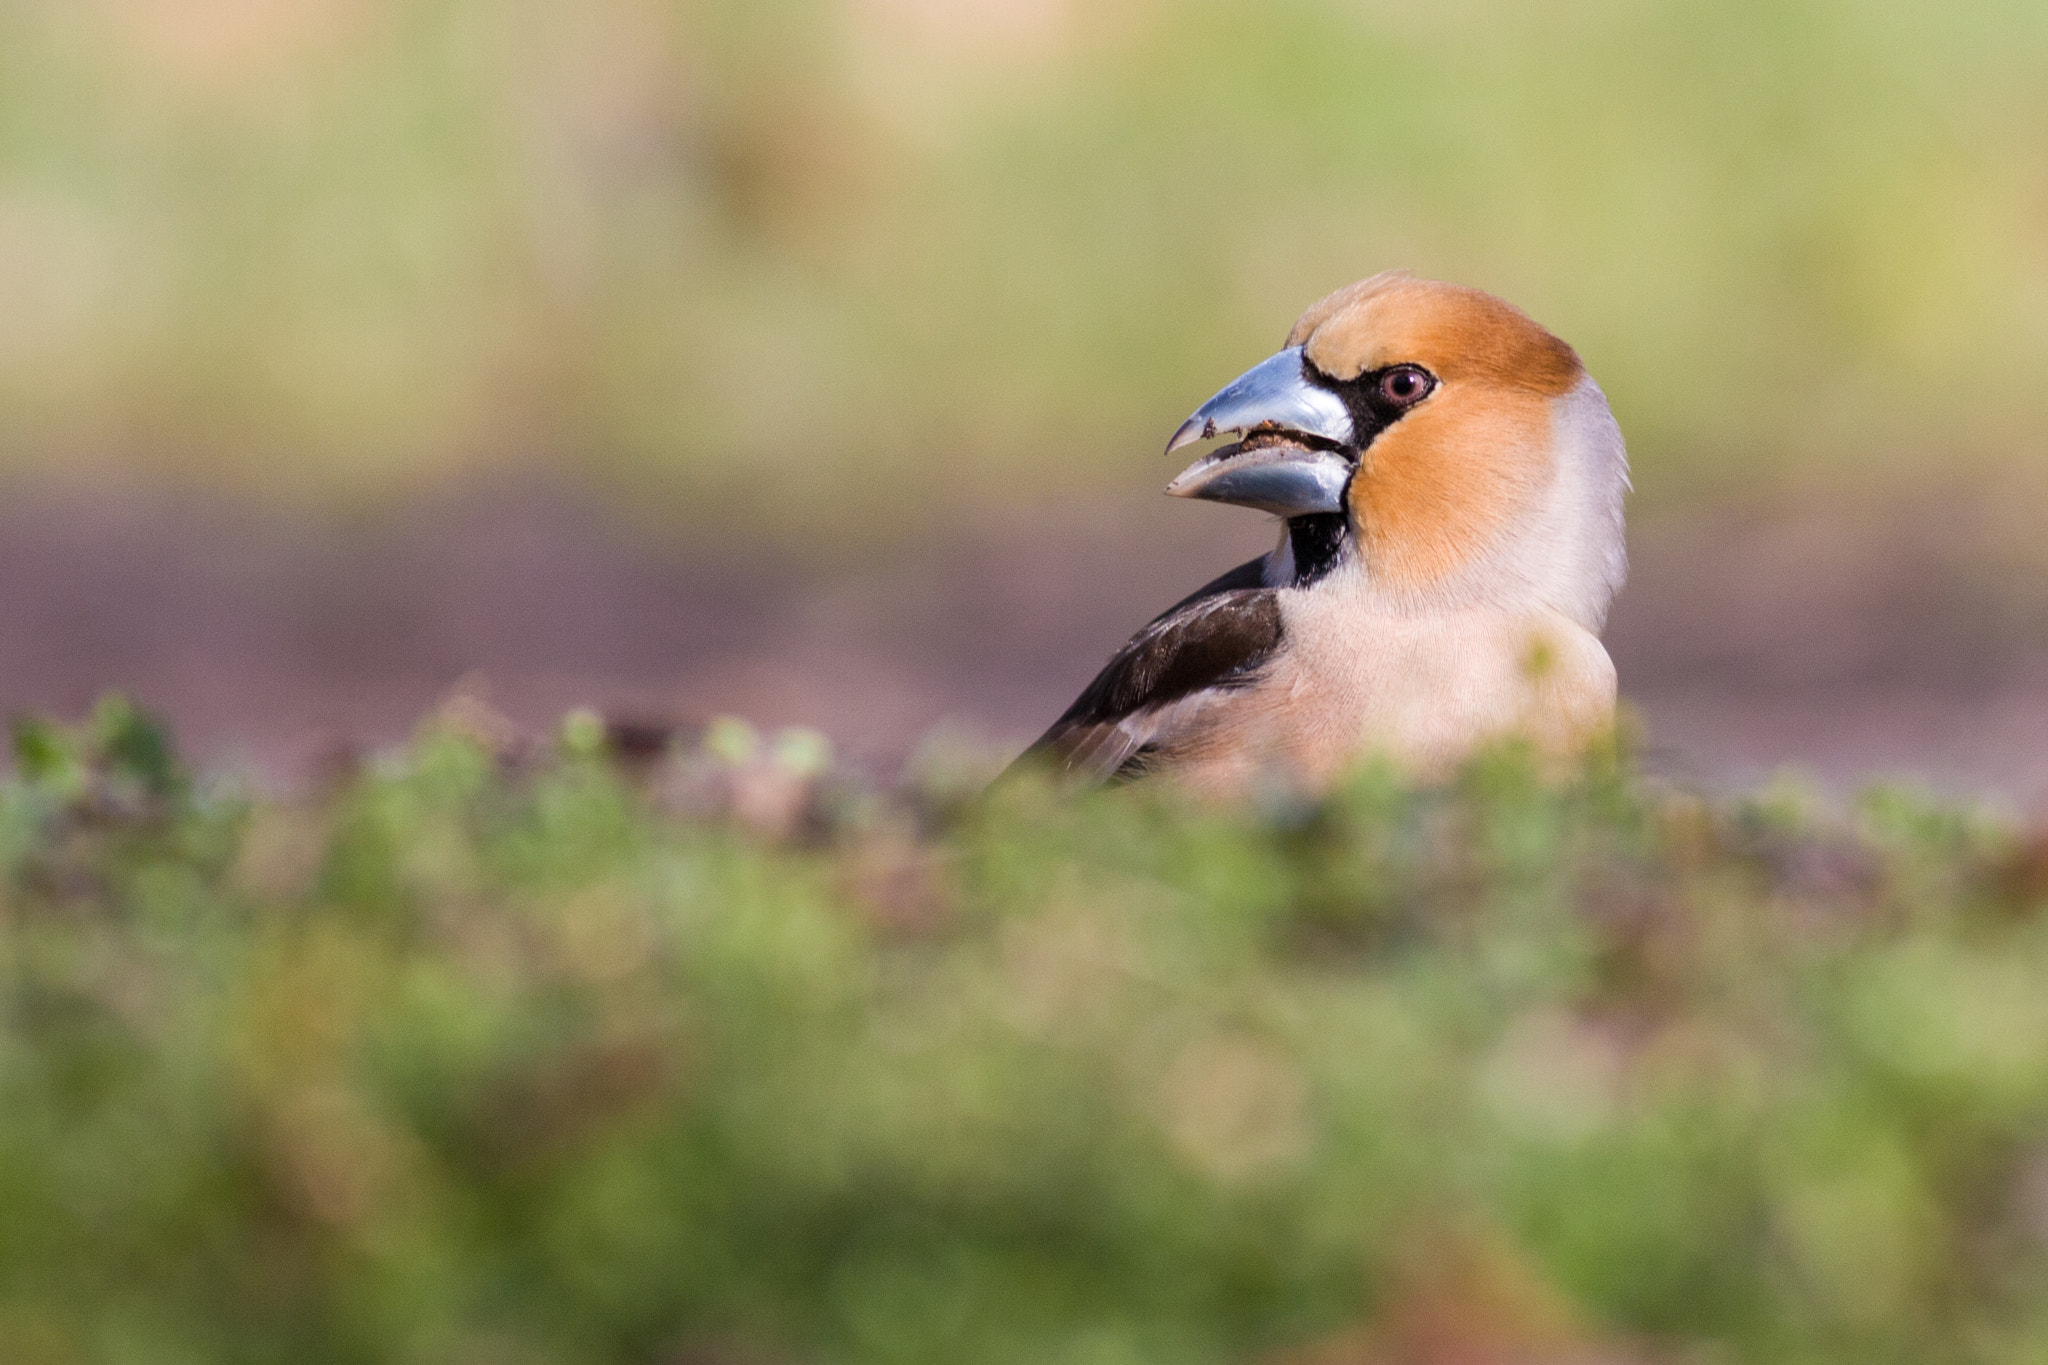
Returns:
<point x="1451" y="433"/>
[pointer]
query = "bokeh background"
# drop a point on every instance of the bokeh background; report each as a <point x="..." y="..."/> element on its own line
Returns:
<point x="810" y="358"/>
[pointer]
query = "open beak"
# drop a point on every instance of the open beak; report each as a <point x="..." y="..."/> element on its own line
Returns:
<point x="1273" y="401"/>
<point x="1287" y="480"/>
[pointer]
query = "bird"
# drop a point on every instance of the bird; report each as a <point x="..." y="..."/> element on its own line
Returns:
<point x="1450" y="484"/>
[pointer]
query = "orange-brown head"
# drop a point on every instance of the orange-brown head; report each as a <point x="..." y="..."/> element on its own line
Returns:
<point x="1451" y="433"/>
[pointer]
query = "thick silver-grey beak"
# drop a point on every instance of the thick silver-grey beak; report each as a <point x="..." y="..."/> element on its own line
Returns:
<point x="1274" y="392"/>
<point x="1288" y="480"/>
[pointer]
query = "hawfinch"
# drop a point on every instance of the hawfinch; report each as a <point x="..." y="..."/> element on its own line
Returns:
<point x="1450" y="482"/>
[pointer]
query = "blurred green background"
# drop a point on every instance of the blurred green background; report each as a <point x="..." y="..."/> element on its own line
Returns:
<point x="810" y="359"/>
<point x="841" y="264"/>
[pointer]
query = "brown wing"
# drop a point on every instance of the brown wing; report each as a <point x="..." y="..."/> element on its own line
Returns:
<point x="1198" y="652"/>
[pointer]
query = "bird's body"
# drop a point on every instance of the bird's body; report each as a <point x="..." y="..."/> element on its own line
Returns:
<point x="1451" y="483"/>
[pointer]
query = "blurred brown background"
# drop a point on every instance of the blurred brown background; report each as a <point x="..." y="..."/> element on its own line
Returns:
<point x="809" y="359"/>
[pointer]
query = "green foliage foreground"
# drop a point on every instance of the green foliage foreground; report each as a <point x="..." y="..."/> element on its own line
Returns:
<point x="557" y="1058"/>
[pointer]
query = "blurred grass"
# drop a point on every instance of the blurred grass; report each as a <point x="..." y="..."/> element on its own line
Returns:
<point x="517" y="1055"/>
<point x="837" y="265"/>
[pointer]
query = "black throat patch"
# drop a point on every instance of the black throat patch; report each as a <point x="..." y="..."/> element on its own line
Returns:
<point x="1318" y="541"/>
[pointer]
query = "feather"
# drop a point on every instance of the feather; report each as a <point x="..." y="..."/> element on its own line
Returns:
<point x="1149" y="695"/>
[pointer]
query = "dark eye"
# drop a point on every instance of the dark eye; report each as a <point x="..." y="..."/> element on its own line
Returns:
<point x="1405" y="385"/>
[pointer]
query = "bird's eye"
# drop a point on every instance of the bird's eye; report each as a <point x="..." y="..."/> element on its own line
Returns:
<point x="1406" y="385"/>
